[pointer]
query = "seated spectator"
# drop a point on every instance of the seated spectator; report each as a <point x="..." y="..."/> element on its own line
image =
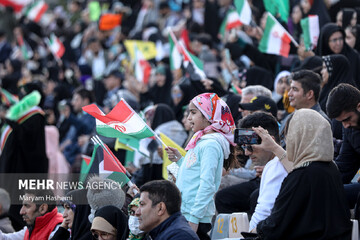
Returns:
<point x="159" y="212"/>
<point x="109" y="223"/>
<point x="311" y="203"/>
<point x="41" y="217"/>
<point x="134" y="224"/>
<point x="5" y="223"/>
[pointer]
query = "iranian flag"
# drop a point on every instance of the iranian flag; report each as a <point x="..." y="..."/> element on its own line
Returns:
<point x="311" y="31"/>
<point x="232" y="20"/>
<point x="275" y="40"/>
<point x="56" y="46"/>
<point x="35" y="11"/>
<point x="121" y="122"/>
<point x="104" y="163"/>
<point x="244" y="10"/>
<point x="142" y="67"/>
<point x="17" y="5"/>
<point x="182" y="54"/>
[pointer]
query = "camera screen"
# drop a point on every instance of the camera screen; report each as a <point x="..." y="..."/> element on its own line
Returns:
<point x="246" y="136"/>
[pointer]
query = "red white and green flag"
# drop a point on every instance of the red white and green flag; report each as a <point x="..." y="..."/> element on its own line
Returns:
<point x="25" y="49"/>
<point x="17" y="5"/>
<point x="56" y="46"/>
<point x="275" y="40"/>
<point x="35" y="11"/>
<point x="311" y="31"/>
<point x="122" y="121"/>
<point x="244" y="10"/>
<point x="232" y="20"/>
<point x="142" y="67"/>
<point x="279" y="8"/>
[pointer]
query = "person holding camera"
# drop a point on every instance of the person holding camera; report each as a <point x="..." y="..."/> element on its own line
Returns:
<point x="261" y="192"/>
<point x="208" y="152"/>
<point x="311" y="203"/>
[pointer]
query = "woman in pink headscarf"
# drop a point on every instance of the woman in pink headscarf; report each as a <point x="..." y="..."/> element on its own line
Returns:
<point x="209" y="151"/>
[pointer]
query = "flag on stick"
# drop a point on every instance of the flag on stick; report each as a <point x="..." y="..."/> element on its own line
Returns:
<point x="56" y="46"/>
<point x="35" y="11"/>
<point x="122" y="121"/>
<point x="244" y="10"/>
<point x="275" y="40"/>
<point x="311" y="31"/>
<point x="17" y="5"/>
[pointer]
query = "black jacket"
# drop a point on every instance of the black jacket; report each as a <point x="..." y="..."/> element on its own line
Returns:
<point x="174" y="228"/>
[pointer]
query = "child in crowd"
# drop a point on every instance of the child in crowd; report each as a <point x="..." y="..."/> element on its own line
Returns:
<point x="209" y="150"/>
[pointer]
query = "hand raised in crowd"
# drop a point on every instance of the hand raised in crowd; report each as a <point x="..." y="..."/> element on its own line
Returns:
<point x="133" y="190"/>
<point x="267" y="142"/>
<point x="173" y="154"/>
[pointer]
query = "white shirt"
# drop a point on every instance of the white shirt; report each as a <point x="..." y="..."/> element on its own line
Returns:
<point x="270" y="184"/>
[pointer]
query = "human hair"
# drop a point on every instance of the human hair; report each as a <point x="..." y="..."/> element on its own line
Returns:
<point x="163" y="191"/>
<point x="343" y="97"/>
<point x="257" y="90"/>
<point x="43" y="196"/>
<point x="309" y="80"/>
<point x="84" y="94"/>
<point x="4" y="200"/>
<point x="264" y="120"/>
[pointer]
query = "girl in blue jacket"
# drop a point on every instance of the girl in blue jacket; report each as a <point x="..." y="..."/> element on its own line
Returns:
<point x="201" y="169"/>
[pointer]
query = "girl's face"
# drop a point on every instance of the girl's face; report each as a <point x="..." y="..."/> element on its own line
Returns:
<point x="350" y="38"/>
<point x="324" y="74"/>
<point x="196" y="119"/>
<point x="336" y="42"/>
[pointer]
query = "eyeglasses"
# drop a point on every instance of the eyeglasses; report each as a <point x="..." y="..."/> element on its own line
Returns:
<point x="101" y="235"/>
<point x="336" y="39"/>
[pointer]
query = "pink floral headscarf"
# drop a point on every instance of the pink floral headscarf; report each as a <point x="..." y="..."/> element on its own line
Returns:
<point x="217" y="112"/>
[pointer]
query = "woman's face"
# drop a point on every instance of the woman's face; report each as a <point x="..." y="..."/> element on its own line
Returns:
<point x="282" y="85"/>
<point x="296" y="14"/>
<point x="68" y="215"/>
<point x="185" y="121"/>
<point x="160" y="80"/>
<point x="353" y="20"/>
<point x="339" y="17"/>
<point x="324" y="74"/>
<point x="306" y="6"/>
<point x="350" y="38"/>
<point x="336" y="42"/>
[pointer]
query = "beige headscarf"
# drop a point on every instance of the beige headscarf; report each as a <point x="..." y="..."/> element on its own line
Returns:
<point x="309" y="138"/>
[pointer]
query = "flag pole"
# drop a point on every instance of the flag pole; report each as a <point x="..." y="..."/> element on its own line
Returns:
<point x="158" y="138"/>
<point x="291" y="38"/>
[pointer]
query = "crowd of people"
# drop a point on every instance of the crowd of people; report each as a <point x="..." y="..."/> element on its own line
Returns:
<point x="299" y="181"/>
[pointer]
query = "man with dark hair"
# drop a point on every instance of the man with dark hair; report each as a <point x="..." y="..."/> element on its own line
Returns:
<point x="40" y="213"/>
<point x="305" y="91"/>
<point x="80" y="122"/>
<point x="343" y="105"/>
<point x="262" y="190"/>
<point x="159" y="212"/>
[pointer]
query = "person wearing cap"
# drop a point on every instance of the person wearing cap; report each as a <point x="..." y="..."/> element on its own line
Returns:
<point x="260" y="103"/>
<point x="249" y="93"/>
<point x="110" y="223"/>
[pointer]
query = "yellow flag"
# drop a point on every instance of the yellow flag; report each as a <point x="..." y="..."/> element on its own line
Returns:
<point x="148" y="49"/>
<point x="119" y="145"/>
<point x="166" y="160"/>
